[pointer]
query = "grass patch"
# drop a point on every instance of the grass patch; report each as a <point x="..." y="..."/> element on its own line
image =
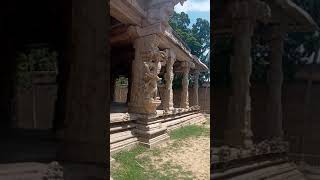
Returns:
<point x="189" y="131"/>
<point x="137" y="163"/>
<point x="131" y="166"/>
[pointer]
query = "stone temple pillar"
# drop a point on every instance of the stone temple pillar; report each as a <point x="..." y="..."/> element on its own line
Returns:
<point x="185" y="86"/>
<point x="275" y="79"/>
<point x="144" y="98"/>
<point x="196" y="88"/>
<point x="168" y="95"/>
<point x="87" y="89"/>
<point x="144" y="82"/>
<point x="238" y="131"/>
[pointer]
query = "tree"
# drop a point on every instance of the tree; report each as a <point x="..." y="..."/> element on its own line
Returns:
<point x="197" y="38"/>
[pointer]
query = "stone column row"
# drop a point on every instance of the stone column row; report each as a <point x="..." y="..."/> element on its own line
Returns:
<point x="239" y="131"/>
<point x="145" y="70"/>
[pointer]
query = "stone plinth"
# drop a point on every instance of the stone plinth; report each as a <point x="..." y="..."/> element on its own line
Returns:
<point x="151" y="132"/>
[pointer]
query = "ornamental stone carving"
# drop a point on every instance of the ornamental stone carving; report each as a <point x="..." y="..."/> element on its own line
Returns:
<point x="152" y="66"/>
<point x="159" y="11"/>
<point x="145" y="68"/>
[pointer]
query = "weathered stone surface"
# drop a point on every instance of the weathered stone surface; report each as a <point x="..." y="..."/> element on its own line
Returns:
<point x="146" y="67"/>
<point x="239" y="132"/>
<point x="87" y="90"/>
<point x="167" y="102"/>
<point x="31" y="171"/>
<point x="275" y="80"/>
<point x="196" y="88"/>
<point x="161" y="10"/>
<point x="185" y="86"/>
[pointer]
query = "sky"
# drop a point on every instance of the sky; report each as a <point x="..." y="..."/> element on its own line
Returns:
<point x="195" y="9"/>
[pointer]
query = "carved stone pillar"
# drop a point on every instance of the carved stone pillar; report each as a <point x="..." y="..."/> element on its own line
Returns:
<point x="144" y="97"/>
<point x="87" y="89"/>
<point x="185" y="86"/>
<point x="168" y="96"/>
<point x="196" y="88"/>
<point x="275" y="79"/>
<point x="145" y="69"/>
<point x="238" y="131"/>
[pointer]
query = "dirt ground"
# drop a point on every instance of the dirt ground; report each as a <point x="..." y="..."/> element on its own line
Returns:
<point x="191" y="155"/>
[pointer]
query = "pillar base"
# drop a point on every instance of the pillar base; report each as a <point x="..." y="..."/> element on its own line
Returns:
<point x="150" y="132"/>
<point x="151" y="142"/>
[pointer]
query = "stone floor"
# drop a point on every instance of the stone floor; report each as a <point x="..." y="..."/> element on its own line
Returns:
<point x="28" y="145"/>
<point x="31" y="151"/>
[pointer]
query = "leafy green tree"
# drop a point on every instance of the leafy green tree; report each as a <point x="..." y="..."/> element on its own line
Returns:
<point x="196" y="37"/>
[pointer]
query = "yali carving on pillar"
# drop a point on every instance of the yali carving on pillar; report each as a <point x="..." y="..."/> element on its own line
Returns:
<point x="153" y="61"/>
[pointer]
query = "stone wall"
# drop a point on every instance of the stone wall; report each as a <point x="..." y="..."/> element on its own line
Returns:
<point x="120" y="94"/>
<point x="34" y="108"/>
<point x="294" y="119"/>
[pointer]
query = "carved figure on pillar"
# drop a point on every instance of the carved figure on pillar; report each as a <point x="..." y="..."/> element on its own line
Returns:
<point x="152" y="67"/>
<point x="145" y="70"/>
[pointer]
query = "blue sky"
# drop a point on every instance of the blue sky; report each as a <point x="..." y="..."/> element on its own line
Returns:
<point x="195" y="9"/>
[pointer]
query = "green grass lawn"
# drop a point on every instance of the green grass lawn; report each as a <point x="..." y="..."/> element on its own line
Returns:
<point x="130" y="165"/>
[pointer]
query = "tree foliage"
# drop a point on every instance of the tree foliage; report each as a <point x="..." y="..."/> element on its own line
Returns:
<point x="38" y="59"/>
<point x="197" y="38"/>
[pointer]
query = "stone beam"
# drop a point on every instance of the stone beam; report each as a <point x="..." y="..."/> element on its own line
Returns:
<point x="127" y="12"/>
<point x="166" y="38"/>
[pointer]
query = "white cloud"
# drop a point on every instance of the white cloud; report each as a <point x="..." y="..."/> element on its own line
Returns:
<point x="193" y="5"/>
